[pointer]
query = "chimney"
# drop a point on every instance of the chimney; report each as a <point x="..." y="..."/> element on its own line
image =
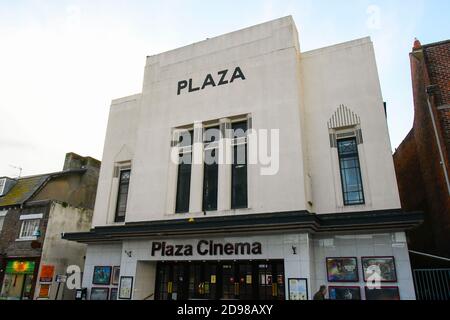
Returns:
<point x="417" y="45"/>
<point x="75" y="161"/>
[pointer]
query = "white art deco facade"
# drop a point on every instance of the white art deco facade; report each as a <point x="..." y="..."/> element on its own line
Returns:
<point x="327" y="213"/>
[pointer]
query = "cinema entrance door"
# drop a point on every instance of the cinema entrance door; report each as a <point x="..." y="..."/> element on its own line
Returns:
<point x="225" y="280"/>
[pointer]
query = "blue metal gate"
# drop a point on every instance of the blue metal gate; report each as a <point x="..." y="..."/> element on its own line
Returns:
<point x="432" y="284"/>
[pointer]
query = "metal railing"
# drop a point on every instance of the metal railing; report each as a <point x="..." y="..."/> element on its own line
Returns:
<point x="432" y="284"/>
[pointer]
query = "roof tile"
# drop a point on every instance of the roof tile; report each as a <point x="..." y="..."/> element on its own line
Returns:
<point x="22" y="190"/>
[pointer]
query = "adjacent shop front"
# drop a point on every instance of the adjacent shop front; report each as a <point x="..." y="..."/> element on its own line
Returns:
<point x="19" y="280"/>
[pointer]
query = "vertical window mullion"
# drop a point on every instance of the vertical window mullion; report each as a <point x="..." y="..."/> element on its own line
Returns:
<point x="25" y="229"/>
<point x="239" y="192"/>
<point x="28" y="229"/>
<point x="184" y="183"/>
<point x="210" y="183"/>
<point x="211" y="169"/>
<point x="185" y="145"/>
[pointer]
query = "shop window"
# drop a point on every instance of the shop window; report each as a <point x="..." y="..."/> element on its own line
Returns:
<point x="122" y="196"/>
<point x="184" y="172"/>
<point x="211" y="169"/>
<point x="18" y="281"/>
<point x="350" y="169"/>
<point x="239" y="166"/>
<point x="29" y="229"/>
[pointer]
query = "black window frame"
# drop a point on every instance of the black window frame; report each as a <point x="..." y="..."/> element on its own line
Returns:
<point x="118" y="217"/>
<point x="210" y="173"/>
<point x="355" y="157"/>
<point x="236" y="166"/>
<point x="184" y="176"/>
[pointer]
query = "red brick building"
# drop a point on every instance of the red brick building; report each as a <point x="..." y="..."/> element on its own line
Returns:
<point x="422" y="159"/>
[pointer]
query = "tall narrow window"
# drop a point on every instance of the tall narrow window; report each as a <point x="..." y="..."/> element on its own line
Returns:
<point x="352" y="187"/>
<point x="239" y="166"/>
<point x="2" y="218"/>
<point x="211" y="169"/>
<point x="184" y="172"/>
<point x="122" y="197"/>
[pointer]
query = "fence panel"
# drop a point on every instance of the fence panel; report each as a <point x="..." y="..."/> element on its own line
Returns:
<point x="432" y="284"/>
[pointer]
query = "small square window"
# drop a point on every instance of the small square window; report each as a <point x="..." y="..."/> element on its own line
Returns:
<point x="29" y="229"/>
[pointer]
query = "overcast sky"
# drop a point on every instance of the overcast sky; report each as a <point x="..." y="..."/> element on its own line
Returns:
<point x="62" y="62"/>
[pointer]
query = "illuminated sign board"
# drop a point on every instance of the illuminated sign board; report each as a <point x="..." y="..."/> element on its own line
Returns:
<point x="20" y="267"/>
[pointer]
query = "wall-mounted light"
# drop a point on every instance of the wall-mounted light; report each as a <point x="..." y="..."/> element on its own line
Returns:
<point x="129" y="253"/>
<point x="294" y="250"/>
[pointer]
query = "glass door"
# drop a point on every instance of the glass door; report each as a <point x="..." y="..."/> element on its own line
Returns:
<point x="229" y="290"/>
<point x="238" y="280"/>
<point x="12" y="286"/>
<point x="271" y="280"/>
<point x="210" y="280"/>
<point x="229" y="280"/>
<point x="180" y="281"/>
<point x="17" y="287"/>
<point x="265" y="280"/>
<point x="27" y="293"/>
<point x="245" y="279"/>
<point x="279" y="293"/>
<point x="203" y="280"/>
<point x="172" y="281"/>
<point x="196" y="285"/>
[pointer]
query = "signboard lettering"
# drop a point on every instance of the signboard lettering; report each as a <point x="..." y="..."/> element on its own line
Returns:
<point x="206" y="248"/>
<point x="223" y="77"/>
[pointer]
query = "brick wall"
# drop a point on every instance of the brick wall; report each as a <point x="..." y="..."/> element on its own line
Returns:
<point x="438" y="63"/>
<point x="11" y="229"/>
<point x="437" y="60"/>
<point x="417" y="162"/>
<point x="10" y="247"/>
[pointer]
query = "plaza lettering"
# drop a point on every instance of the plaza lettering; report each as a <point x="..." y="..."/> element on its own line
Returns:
<point x="223" y="77"/>
<point x="206" y="248"/>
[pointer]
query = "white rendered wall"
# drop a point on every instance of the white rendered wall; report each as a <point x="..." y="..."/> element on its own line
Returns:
<point x="62" y="253"/>
<point x="100" y="255"/>
<point x="347" y="74"/>
<point x="284" y="89"/>
<point x="119" y="147"/>
<point x="364" y="245"/>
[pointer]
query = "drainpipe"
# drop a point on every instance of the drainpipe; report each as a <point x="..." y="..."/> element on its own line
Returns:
<point x="429" y="92"/>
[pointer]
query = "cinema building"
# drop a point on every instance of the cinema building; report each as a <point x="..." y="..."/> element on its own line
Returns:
<point x="321" y="207"/>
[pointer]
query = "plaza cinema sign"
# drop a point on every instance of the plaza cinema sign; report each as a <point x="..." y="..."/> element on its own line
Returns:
<point x="205" y="248"/>
<point x="222" y="78"/>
